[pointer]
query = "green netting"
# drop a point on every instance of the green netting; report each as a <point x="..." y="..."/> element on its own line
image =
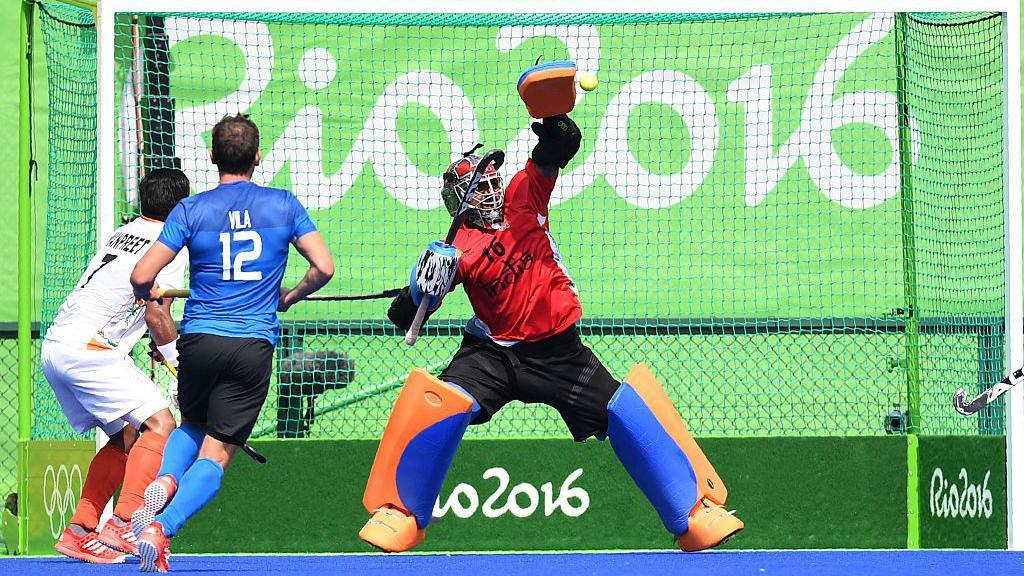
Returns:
<point x="734" y="217"/>
<point x="69" y="41"/>
<point x="955" y="83"/>
<point x="466" y="19"/>
<point x="8" y="410"/>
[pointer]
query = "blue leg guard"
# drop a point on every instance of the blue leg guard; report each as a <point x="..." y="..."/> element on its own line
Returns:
<point x="181" y="451"/>
<point x="198" y="486"/>
<point x="657" y="450"/>
<point x="418" y="445"/>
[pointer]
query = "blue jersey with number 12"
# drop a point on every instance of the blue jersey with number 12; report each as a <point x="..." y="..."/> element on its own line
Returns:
<point x="237" y="237"/>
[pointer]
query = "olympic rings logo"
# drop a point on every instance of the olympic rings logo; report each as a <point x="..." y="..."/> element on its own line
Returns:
<point x="60" y="495"/>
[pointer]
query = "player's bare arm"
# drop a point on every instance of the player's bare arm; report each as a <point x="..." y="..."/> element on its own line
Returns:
<point x="321" y="269"/>
<point x="143" y="278"/>
<point x="161" y="325"/>
<point x="163" y="334"/>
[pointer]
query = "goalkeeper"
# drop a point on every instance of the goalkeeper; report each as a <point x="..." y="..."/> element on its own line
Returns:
<point x="523" y="344"/>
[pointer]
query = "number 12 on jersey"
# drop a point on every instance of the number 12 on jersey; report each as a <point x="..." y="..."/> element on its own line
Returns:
<point x="232" y="267"/>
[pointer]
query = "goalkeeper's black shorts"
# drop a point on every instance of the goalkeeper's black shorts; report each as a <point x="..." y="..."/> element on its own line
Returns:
<point x="558" y="371"/>
<point x="222" y="382"/>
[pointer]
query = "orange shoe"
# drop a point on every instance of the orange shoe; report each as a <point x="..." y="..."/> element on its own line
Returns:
<point x="117" y="534"/>
<point x="154" y="549"/>
<point x="710" y="525"/>
<point x="392" y="530"/>
<point x="157" y="495"/>
<point x="81" y="544"/>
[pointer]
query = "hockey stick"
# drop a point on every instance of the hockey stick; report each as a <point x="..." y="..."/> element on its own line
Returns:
<point x="961" y="405"/>
<point x="389" y="293"/>
<point x="497" y="157"/>
<point x="245" y="447"/>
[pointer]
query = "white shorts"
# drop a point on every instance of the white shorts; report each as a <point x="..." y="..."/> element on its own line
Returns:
<point x="99" y="388"/>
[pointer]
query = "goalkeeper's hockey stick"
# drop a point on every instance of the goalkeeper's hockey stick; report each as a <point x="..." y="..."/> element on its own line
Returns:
<point x="496" y="157"/>
<point x="961" y="405"/>
<point x="245" y="447"/>
<point x="389" y="293"/>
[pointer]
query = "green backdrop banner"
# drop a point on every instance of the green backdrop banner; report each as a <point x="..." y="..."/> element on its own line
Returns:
<point x="756" y="147"/>
<point x="560" y="495"/>
<point x="557" y="495"/>
<point x="750" y="144"/>
<point x="963" y="492"/>
<point x="56" y="475"/>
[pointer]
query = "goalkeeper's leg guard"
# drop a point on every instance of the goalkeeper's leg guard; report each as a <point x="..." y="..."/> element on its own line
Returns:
<point x="668" y="466"/>
<point x="419" y="442"/>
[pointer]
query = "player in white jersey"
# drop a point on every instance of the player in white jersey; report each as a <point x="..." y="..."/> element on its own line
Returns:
<point x="86" y="359"/>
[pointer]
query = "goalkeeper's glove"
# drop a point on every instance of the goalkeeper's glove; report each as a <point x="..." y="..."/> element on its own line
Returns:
<point x="558" y="141"/>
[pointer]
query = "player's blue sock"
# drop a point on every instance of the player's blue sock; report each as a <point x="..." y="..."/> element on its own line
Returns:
<point x="181" y="450"/>
<point x="197" y="487"/>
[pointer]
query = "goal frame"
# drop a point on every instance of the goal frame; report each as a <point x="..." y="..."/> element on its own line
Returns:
<point x="106" y="10"/>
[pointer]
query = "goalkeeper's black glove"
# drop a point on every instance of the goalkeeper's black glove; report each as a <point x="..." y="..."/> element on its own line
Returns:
<point x="403" y="310"/>
<point x="559" y="140"/>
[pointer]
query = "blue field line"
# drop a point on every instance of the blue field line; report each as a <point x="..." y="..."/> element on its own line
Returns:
<point x="760" y="563"/>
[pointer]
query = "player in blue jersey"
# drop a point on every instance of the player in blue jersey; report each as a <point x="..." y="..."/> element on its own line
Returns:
<point x="237" y="235"/>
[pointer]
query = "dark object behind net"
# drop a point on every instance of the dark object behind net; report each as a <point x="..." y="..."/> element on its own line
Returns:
<point x="303" y="377"/>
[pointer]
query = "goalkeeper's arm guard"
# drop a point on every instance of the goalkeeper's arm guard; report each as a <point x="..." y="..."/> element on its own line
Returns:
<point x="431" y="277"/>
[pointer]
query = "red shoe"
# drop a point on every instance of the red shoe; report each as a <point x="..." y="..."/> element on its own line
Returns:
<point x="154" y="549"/>
<point x="118" y="534"/>
<point x="86" y="547"/>
<point x="157" y="495"/>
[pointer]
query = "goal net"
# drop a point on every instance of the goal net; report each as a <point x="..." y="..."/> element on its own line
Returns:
<point x="796" y="220"/>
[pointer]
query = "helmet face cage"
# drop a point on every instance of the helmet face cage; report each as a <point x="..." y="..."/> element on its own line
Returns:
<point x="487" y="203"/>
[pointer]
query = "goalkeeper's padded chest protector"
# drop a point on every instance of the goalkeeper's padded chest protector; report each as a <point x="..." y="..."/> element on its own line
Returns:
<point x="516" y="280"/>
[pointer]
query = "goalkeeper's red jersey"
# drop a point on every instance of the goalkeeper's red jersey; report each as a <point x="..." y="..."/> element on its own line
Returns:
<point x="514" y="277"/>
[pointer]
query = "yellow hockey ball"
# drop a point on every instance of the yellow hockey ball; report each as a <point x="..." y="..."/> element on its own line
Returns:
<point x="587" y="80"/>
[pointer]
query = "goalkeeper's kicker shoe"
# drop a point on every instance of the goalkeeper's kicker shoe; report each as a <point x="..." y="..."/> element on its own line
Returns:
<point x="154" y="549"/>
<point x="81" y="544"/>
<point x="710" y="525"/>
<point x="392" y="530"/>
<point x="118" y="534"/>
<point x="157" y="495"/>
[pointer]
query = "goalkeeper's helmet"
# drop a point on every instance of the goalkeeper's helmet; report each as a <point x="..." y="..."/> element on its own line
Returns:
<point x="486" y="205"/>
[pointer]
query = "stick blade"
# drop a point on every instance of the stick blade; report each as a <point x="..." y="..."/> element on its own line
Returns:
<point x="962" y="406"/>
